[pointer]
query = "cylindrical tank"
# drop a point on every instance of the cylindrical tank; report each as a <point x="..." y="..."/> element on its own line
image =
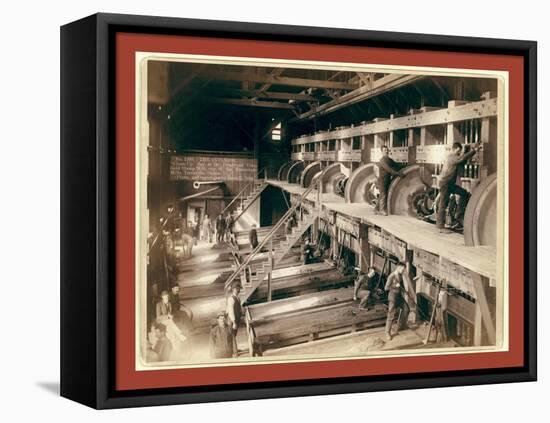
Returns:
<point x="282" y="174"/>
<point x="309" y="172"/>
<point x="331" y="174"/>
<point x="404" y="191"/>
<point x="294" y="172"/>
<point x="480" y="219"/>
<point x="361" y="186"/>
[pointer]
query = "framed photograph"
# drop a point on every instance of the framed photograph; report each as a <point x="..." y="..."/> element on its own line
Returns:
<point x="256" y="211"/>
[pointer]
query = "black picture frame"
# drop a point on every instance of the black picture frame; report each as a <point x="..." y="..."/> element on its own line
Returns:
<point x="87" y="209"/>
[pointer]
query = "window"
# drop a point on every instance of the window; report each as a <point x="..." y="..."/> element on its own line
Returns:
<point x="276" y="132"/>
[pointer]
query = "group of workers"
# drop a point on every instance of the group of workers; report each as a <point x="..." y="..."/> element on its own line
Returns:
<point x="389" y="169"/>
<point x="173" y="320"/>
<point x="367" y="291"/>
<point x="173" y="326"/>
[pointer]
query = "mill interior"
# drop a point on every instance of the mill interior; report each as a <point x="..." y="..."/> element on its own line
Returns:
<point x="264" y="188"/>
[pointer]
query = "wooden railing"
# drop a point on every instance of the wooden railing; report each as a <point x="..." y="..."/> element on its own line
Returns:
<point x="241" y="193"/>
<point x="273" y="230"/>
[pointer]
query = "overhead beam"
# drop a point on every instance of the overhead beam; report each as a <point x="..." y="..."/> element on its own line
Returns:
<point x="275" y="72"/>
<point x="265" y="94"/>
<point x="468" y="111"/>
<point x="250" y="103"/>
<point x="379" y="86"/>
<point x="276" y="80"/>
<point x="185" y="81"/>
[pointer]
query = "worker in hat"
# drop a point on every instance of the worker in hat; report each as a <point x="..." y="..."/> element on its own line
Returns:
<point x="222" y="339"/>
<point x="234" y="308"/>
<point x="396" y="300"/>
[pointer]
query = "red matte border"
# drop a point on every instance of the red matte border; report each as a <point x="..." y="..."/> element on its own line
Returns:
<point x="127" y="378"/>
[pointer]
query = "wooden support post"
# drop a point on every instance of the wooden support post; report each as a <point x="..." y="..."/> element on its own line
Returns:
<point x="409" y="286"/>
<point x="483" y="309"/>
<point x="270" y="274"/>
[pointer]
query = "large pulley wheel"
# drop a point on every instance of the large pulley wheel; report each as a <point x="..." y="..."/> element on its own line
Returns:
<point x="330" y="176"/>
<point x="309" y="172"/>
<point x="480" y="219"/>
<point x="293" y="175"/>
<point x="361" y="186"/>
<point x="404" y="191"/>
<point x="282" y="174"/>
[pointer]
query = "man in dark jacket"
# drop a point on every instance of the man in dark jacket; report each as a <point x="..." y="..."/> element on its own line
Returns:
<point x="222" y="341"/>
<point x="253" y="237"/>
<point x="448" y="186"/>
<point x="220" y="229"/>
<point x="386" y="169"/>
<point x="307" y="252"/>
<point x="228" y="227"/>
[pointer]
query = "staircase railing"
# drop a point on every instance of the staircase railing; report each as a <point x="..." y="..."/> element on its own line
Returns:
<point x="241" y="193"/>
<point x="273" y="230"/>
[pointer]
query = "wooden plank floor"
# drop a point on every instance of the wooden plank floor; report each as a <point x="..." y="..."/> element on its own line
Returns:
<point x="423" y="235"/>
<point x="417" y="233"/>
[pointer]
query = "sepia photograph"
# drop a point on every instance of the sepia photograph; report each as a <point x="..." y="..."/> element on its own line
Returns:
<point x="304" y="211"/>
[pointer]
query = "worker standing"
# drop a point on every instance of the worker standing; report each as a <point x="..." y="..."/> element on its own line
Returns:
<point x="307" y="252"/>
<point x="386" y="169"/>
<point x="396" y="299"/>
<point x="222" y="340"/>
<point x="253" y="237"/>
<point x="448" y="186"/>
<point x="234" y="308"/>
<point x="207" y="229"/>
<point x="220" y="229"/>
<point x="228" y="227"/>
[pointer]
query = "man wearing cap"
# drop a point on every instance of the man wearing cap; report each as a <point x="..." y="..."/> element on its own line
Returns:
<point x="164" y="307"/>
<point x="396" y="299"/>
<point x="234" y="308"/>
<point x="222" y="339"/>
<point x="183" y="315"/>
<point x="365" y="285"/>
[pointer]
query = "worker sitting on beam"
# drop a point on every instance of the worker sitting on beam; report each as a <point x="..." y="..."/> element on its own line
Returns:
<point x="448" y="186"/>
<point x="386" y="169"/>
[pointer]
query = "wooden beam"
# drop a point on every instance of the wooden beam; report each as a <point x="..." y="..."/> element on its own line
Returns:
<point x="250" y="103"/>
<point x="185" y="82"/>
<point x="483" y="308"/>
<point x="473" y="110"/>
<point x="382" y="85"/>
<point x="265" y="94"/>
<point x="276" y="80"/>
<point x="276" y="72"/>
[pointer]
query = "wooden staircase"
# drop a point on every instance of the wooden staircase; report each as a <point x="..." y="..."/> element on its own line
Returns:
<point x="279" y="252"/>
<point x="305" y="220"/>
<point x="257" y="188"/>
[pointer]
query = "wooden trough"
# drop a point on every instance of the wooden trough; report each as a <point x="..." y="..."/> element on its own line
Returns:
<point x="307" y="318"/>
